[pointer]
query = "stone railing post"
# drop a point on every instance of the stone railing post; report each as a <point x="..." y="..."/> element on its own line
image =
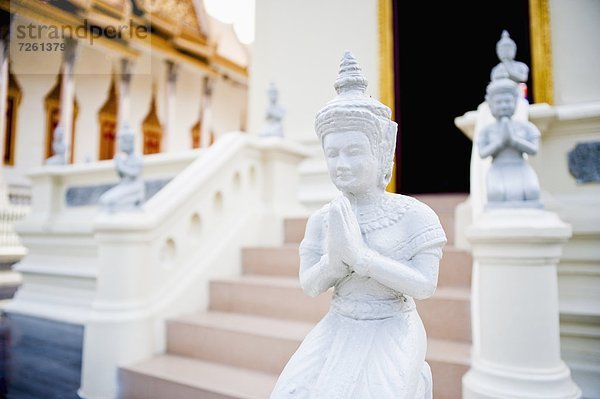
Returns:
<point x="516" y="339"/>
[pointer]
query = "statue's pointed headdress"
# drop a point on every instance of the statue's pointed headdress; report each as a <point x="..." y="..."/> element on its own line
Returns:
<point x="353" y="110"/>
<point x="500" y="76"/>
<point x="506" y="41"/>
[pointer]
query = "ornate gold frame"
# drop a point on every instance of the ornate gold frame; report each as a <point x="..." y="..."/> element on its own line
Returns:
<point x="541" y="51"/>
<point x="386" y="64"/>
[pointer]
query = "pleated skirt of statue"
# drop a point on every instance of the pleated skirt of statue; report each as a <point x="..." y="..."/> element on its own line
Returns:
<point x="348" y="358"/>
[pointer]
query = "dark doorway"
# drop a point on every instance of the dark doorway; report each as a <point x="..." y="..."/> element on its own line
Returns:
<point x="444" y="52"/>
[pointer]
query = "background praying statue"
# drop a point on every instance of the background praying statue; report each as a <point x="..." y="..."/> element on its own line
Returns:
<point x="130" y="193"/>
<point x="275" y="114"/>
<point x="379" y="251"/>
<point x="510" y="181"/>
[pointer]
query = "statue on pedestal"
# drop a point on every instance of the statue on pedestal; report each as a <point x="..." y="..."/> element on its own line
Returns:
<point x="510" y="181"/>
<point x="379" y="251"/>
<point x="58" y="148"/>
<point x="506" y="49"/>
<point x="130" y="192"/>
<point x="275" y="113"/>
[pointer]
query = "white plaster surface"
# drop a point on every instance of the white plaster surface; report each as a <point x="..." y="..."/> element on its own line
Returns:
<point x="515" y="312"/>
<point x="575" y="51"/>
<point x="323" y="30"/>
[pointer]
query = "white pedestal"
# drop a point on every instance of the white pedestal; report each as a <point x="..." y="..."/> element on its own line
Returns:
<point x="515" y="316"/>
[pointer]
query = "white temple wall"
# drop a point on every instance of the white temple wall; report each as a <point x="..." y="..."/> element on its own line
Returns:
<point x="576" y="54"/>
<point x="298" y="46"/>
<point x="229" y="106"/>
<point x="141" y="93"/>
<point x="187" y="108"/>
<point x="30" y="139"/>
<point x="92" y="75"/>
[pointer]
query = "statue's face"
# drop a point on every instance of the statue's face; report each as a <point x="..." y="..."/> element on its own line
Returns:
<point x="503" y="104"/>
<point x="273" y="96"/>
<point x="126" y="144"/>
<point x="506" y="52"/>
<point x="352" y="166"/>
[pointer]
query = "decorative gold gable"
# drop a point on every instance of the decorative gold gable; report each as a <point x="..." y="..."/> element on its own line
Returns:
<point x="174" y="18"/>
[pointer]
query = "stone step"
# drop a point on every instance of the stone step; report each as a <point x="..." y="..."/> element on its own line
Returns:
<point x="449" y="361"/>
<point x="219" y="355"/>
<point x="278" y="297"/>
<point x="238" y="340"/>
<point x="293" y="230"/>
<point x="177" y="377"/>
<point x="445" y="315"/>
<point x="447" y="222"/>
<point x="284" y="261"/>
<point x="271" y="261"/>
<point x="455" y="268"/>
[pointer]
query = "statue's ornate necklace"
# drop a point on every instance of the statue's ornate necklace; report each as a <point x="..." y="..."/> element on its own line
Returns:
<point x="385" y="213"/>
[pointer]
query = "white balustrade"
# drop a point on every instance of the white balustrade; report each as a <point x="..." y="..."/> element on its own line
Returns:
<point x="10" y="244"/>
<point x="156" y="264"/>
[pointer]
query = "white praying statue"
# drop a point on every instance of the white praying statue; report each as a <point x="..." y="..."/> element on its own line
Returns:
<point x="506" y="49"/>
<point x="275" y="114"/>
<point x="378" y="251"/>
<point x="510" y="181"/>
<point x="58" y="148"/>
<point x="130" y="192"/>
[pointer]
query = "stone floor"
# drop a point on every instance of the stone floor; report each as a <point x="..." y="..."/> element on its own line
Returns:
<point x="39" y="359"/>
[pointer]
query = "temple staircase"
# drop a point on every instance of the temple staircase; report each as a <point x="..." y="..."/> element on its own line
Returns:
<point x="256" y="321"/>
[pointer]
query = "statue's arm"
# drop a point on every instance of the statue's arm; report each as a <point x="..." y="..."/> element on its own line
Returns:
<point x="133" y="168"/>
<point x="416" y="277"/>
<point x="317" y="272"/>
<point x="517" y="70"/>
<point x="487" y="144"/>
<point x="530" y="143"/>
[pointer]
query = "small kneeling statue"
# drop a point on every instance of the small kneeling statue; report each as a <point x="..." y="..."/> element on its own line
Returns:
<point x="58" y="148"/>
<point x="275" y="114"/>
<point x="130" y="192"/>
<point x="379" y="251"/>
<point x="511" y="181"/>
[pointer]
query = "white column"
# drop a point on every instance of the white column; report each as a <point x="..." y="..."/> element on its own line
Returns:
<point x="67" y="94"/>
<point x="206" y="112"/>
<point x="124" y="98"/>
<point x="515" y="307"/>
<point x="170" y="92"/>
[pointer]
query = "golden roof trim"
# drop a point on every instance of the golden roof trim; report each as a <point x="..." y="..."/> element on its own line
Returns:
<point x="109" y="7"/>
<point x="192" y="46"/>
<point x="48" y="14"/>
<point x="230" y="65"/>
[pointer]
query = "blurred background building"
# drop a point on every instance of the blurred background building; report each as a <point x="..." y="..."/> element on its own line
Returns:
<point x="198" y="294"/>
